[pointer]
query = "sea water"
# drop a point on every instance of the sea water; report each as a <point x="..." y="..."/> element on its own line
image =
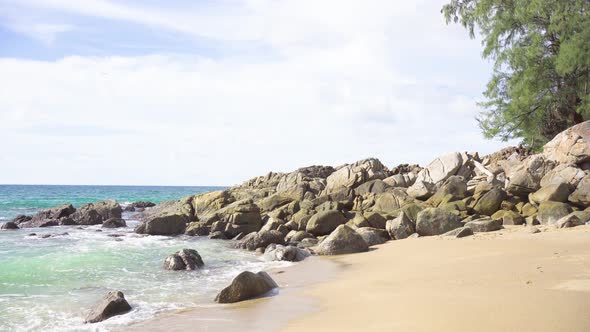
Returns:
<point x="48" y="284"/>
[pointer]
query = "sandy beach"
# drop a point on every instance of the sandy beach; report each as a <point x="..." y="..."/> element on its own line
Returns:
<point x="509" y="280"/>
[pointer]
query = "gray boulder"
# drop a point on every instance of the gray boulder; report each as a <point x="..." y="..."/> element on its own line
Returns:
<point x="489" y="202"/>
<point x="343" y="240"/>
<point x="436" y="221"/>
<point x="571" y="146"/>
<point x="261" y="239"/>
<point x="351" y="176"/>
<point x="9" y="225"/>
<point x="434" y="174"/>
<point x="373" y="236"/>
<point x="391" y="200"/>
<point x="112" y="304"/>
<point x="97" y="212"/>
<point x="485" y="224"/>
<point x="554" y="192"/>
<point x="400" y="227"/>
<point x="459" y="232"/>
<point x="550" y="212"/>
<point x="198" y="228"/>
<point x="114" y="223"/>
<point x="323" y="223"/>
<point x="245" y="286"/>
<point x="185" y="259"/>
<point x="581" y="195"/>
<point x="571" y="220"/>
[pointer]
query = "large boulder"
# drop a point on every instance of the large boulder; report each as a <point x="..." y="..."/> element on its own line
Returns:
<point x="571" y="220"/>
<point x="571" y="146"/>
<point x="400" y="227"/>
<point x="208" y="203"/>
<point x="401" y="180"/>
<point x="373" y="236"/>
<point x="112" y="304"/>
<point x="323" y="223"/>
<point x="484" y="224"/>
<point x="391" y="200"/>
<point x="525" y="177"/>
<point x="351" y="176"/>
<point x="198" y="228"/>
<point x="9" y="225"/>
<point x="49" y="217"/>
<point x="245" y="286"/>
<point x="489" y="202"/>
<point x="434" y="174"/>
<point x="550" y="212"/>
<point x="167" y="218"/>
<point x="563" y="174"/>
<point x="185" y="259"/>
<point x="261" y="239"/>
<point x="343" y="240"/>
<point x="241" y="217"/>
<point x="453" y="189"/>
<point x="436" y="221"/>
<point x="376" y="186"/>
<point x="554" y="192"/>
<point x="97" y="212"/>
<point x="581" y="195"/>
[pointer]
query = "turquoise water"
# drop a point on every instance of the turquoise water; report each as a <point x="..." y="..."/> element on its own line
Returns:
<point x="48" y="284"/>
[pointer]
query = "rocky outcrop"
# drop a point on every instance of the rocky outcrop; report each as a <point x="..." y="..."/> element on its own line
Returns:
<point x="434" y="174"/>
<point x="48" y="217"/>
<point x="168" y="218"/>
<point x="112" y="304"/>
<point x="351" y="176"/>
<point x="185" y="259"/>
<point x="96" y="213"/>
<point x="245" y="286"/>
<point x="343" y="240"/>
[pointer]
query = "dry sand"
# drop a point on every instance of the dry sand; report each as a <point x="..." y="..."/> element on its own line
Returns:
<point x="508" y="280"/>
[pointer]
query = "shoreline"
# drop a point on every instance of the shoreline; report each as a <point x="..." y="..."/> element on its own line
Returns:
<point x="268" y="313"/>
<point x="508" y="280"/>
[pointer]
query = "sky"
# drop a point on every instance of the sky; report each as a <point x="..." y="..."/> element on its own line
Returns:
<point x="183" y="92"/>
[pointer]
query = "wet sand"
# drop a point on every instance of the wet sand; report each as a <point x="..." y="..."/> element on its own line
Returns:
<point x="508" y="280"/>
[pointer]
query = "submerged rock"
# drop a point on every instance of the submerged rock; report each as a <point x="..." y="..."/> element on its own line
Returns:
<point x="112" y="304"/>
<point x="114" y="223"/>
<point x="9" y="225"/>
<point x="245" y="286"/>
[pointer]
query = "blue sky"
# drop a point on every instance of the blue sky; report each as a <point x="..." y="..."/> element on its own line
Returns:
<point x="215" y="92"/>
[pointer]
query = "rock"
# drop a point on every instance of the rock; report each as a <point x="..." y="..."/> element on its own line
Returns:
<point x="434" y="174"/>
<point x="554" y="192"/>
<point x="351" y="176"/>
<point x="551" y="212"/>
<point x="571" y="220"/>
<point x="508" y="217"/>
<point x="373" y="236"/>
<point x="167" y="218"/>
<point x="114" y="223"/>
<point x="208" y="203"/>
<point x="400" y="227"/>
<point x="48" y="217"/>
<point x="571" y="146"/>
<point x="185" y="259"/>
<point x="300" y="235"/>
<point x="308" y="242"/>
<point x="301" y="218"/>
<point x="563" y="174"/>
<point x="245" y="286"/>
<point x="138" y="205"/>
<point x="261" y="239"/>
<point x="460" y="232"/>
<point x="372" y="187"/>
<point x="436" y="221"/>
<point x="526" y="177"/>
<point x="218" y="235"/>
<point x="489" y="202"/>
<point x="112" y="304"/>
<point x="97" y="212"/>
<point x="285" y="253"/>
<point x="241" y="217"/>
<point x="581" y="195"/>
<point x="9" y="225"/>
<point x="485" y="224"/>
<point x="376" y="219"/>
<point x="343" y="240"/>
<point x="392" y="200"/>
<point x="401" y="180"/>
<point x="21" y="218"/>
<point x="323" y="223"/>
<point x="197" y="228"/>
<point x="453" y="189"/>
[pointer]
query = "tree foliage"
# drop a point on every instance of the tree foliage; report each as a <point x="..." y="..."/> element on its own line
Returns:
<point x="540" y="83"/>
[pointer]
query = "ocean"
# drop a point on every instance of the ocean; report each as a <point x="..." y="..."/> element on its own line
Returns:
<point x="48" y="284"/>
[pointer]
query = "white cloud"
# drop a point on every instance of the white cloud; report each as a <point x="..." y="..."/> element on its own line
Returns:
<point x="338" y="89"/>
